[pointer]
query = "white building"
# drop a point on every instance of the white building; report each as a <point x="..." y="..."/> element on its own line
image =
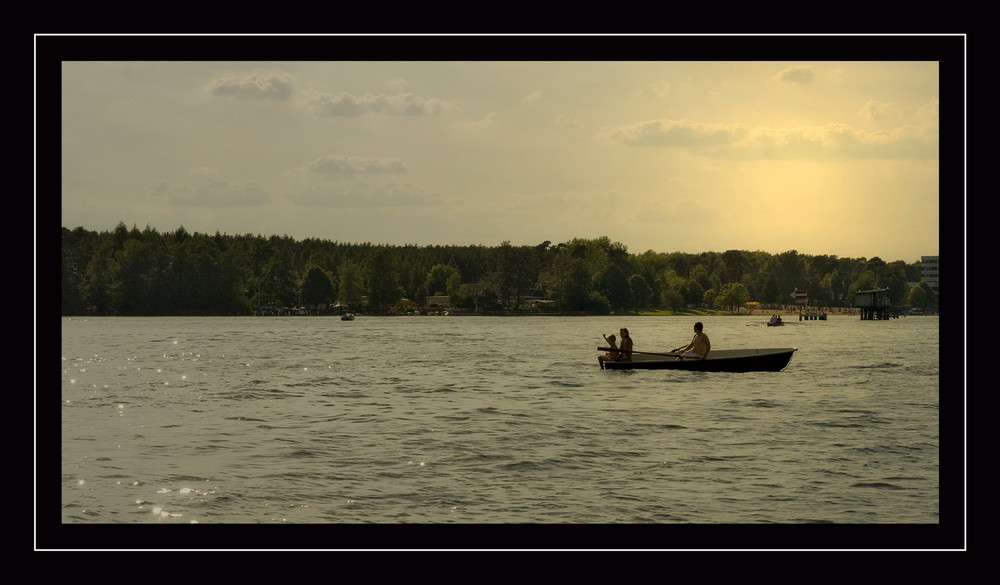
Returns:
<point x="930" y="272"/>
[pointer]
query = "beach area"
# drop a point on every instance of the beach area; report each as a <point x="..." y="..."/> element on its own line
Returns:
<point x="787" y="313"/>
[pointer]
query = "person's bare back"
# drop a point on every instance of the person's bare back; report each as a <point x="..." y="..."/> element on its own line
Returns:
<point x="698" y="348"/>
<point x="701" y="345"/>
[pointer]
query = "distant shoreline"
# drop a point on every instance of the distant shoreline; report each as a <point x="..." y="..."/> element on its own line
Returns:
<point x="786" y="316"/>
<point x="835" y="312"/>
<point x="786" y="313"/>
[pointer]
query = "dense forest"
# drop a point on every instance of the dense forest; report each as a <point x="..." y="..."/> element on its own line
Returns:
<point x="144" y="272"/>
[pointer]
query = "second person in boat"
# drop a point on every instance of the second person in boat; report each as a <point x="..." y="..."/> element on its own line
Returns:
<point x="625" y="349"/>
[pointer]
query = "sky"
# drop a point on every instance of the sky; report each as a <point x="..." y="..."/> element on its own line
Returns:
<point x="821" y="157"/>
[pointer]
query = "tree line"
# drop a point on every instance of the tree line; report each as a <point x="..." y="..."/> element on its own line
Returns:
<point x="145" y="272"/>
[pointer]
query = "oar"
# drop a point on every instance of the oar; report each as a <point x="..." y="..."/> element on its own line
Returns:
<point x="634" y="351"/>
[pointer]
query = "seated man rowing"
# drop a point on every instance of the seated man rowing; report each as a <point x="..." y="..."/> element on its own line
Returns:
<point x="699" y="346"/>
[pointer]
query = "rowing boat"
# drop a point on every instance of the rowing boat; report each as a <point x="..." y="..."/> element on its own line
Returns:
<point x="719" y="360"/>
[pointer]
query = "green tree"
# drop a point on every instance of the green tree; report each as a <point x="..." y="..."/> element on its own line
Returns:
<point x="790" y="272"/>
<point x="453" y="288"/>
<point x="438" y="278"/>
<point x="822" y="293"/>
<point x="864" y="281"/>
<point x="504" y="275"/>
<point x="120" y="235"/>
<point x="597" y="303"/>
<point x="735" y="263"/>
<point x="276" y="286"/>
<point x="412" y="274"/>
<point x="555" y="275"/>
<point x="77" y="250"/>
<point x="641" y="291"/>
<point x="710" y="298"/>
<point x="612" y="284"/>
<point x="733" y="295"/>
<point x="894" y="278"/>
<point x="133" y="272"/>
<point x="692" y="292"/>
<point x="352" y="284"/>
<point x="100" y="290"/>
<point x="317" y="288"/>
<point x="770" y="292"/>
<point x="383" y="284"/>
<point x="138" y="268"/>
<point x="917" y="297"/>
<point x="513" y="273"/>
<point x="648" y="265"/>
<point x="701" y="275"/>
<point x="194" y="281"/>
<point x="930" y="298"/>
<point x="672" y="299"/>
<point x="672" y="288"/>
<point x="575" y="287"/>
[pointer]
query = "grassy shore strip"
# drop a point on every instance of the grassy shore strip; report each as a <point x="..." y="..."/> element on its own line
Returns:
<point x="684" y="313"/>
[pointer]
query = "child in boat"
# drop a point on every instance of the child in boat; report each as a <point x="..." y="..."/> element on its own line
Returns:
<point x="611" y="356"/>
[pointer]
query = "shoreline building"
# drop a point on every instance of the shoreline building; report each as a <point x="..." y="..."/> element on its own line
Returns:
<point x="930" y="272"/>
<point x="874" y="304"/>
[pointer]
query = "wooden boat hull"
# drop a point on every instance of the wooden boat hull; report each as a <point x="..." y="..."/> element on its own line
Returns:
<point x="722" y="360"/>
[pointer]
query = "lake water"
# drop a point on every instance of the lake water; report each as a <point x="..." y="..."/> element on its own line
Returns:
<point x="468" y="420"/>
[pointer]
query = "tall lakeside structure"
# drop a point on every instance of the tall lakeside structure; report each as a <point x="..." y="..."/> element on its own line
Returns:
<point x="930" y="272"/>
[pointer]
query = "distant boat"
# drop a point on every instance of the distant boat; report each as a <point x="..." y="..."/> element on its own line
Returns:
<point x="718" y="360"/>
<point x="775" y="324"/>
<point x="347" y="317"/>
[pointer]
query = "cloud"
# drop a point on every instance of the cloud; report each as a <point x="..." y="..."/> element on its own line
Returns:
<point x="346" y="104"/>
<point x="737" y="141"/>
<point x="659" y="89"/>
<point x="567" y="120"/>
<point x="874" y="110"/>
<point x="665" y="210"/>
<point x="837" y="141"/>
<point x="531" y="97"/>
<point x="337" y="165"/>
<point x="797" y="74"/>
<point x="260" y="86"/>
<point x="677" y="133"/>
<point x="352" y="182"/>
<point x="206" y="190"/>
<point x="355" y="194"/>
<point x="489" y="120"/>
<point x="928" y="114"/>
